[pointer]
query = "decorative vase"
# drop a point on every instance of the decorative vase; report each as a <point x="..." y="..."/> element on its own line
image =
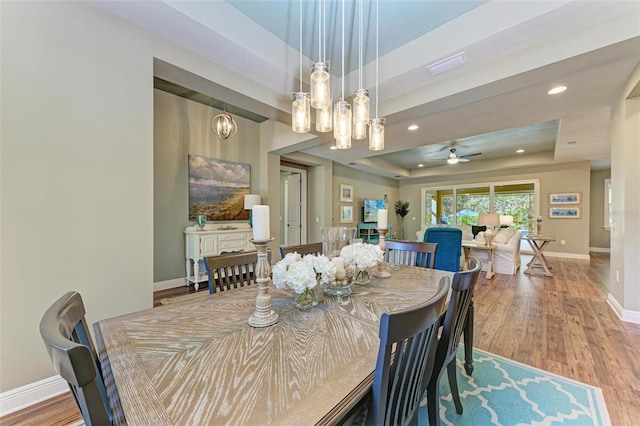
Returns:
<point x="339" y="287"/>
<point x="305" y="300"/>
<point x="539" y="227"/>
<point x="362" y="277"/>
<point x="201" y="221"/>
<point x="334" y="238"/>
<point x="401" y="230"/>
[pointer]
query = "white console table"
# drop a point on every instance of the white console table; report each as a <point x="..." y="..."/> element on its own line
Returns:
<point x="213" y="240"/>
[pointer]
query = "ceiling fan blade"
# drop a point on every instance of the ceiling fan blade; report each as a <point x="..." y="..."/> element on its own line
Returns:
<point x="463" y="160"/>
<point x="470" y="155"/>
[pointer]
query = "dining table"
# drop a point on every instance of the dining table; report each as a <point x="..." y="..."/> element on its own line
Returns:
<point x="197" y="361"/>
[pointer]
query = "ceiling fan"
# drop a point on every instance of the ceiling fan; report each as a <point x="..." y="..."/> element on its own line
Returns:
<point x="454" y="158"/>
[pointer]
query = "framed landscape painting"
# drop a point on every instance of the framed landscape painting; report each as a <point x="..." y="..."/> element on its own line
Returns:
<point x="564" y="212"/>
<point x="565" y="198"/>
<point x="346" y="214"/>
<point x="217" y="188"/>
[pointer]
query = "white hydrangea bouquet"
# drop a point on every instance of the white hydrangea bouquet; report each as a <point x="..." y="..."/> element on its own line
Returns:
<point x="302" y="274"/>
<point x="362" y="256"/>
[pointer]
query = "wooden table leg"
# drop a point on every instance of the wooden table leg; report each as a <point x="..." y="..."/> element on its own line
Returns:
<point x="468" y="340"/>
<point x="490" y="271"/>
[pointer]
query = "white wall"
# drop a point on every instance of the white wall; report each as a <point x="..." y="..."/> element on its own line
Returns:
<point x="625" y="181"/>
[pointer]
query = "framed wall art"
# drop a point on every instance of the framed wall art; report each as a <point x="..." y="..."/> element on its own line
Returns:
<point x="565" y="213"/>
<point x="346" y="193"/>
<point x="346" y="214"/>
<point x="217" y="188"/>
<point x="565" y="198"/>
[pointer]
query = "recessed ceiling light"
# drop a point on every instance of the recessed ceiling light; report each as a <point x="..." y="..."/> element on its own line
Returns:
<point x="520" y="151"/>
<point x="556" y="90"/>
<point x="420" y="165"/>
<point x="413" y="127"/>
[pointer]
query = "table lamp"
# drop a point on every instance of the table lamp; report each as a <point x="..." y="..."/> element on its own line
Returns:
<point x="251" y="200"/>
<point x="490" y="220"/>
<point x="506" y="220"/>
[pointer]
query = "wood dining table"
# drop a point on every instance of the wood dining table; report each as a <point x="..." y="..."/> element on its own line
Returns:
<point x="198" y="362"/>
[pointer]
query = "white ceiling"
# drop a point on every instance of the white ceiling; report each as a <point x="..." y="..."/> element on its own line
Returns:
<point x="495" y="103"/>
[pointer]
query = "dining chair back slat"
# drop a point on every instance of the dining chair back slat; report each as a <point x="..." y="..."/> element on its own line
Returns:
<point x="406" y="355"/>
<point x="231" y="271"/>
<point x="411" y="253"/>
<point x="302" y="249"/>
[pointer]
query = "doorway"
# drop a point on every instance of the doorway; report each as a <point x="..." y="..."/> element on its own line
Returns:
<point x="293" y="195"/>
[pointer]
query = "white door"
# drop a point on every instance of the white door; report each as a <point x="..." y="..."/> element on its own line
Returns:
<point x="293" y="215"/>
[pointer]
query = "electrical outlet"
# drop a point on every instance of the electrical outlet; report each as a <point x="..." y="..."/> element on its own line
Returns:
<point x="562" y="242"/>
<point x="617" y="276"/>
<point x="413" y="218"/>
<point x="317" y="219"/>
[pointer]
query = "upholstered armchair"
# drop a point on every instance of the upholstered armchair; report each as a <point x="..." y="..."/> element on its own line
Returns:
<point x="449" y="242"/>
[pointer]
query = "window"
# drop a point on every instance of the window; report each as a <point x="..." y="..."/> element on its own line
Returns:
<point x="462" y="204"/>
<point x="607" y="204"/>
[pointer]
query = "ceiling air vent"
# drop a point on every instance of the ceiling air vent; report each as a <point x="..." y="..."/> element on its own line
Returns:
<point x="447" y="64"/>
<point x="571" y="143"/>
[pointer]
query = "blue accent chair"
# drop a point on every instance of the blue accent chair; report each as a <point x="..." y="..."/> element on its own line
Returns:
<point x="449" y="242"/>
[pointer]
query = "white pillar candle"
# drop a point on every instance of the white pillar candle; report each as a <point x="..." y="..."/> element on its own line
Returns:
<point x="261" y="230"/>
<point x="382" y="219"/>
<point x="339" y="262"/>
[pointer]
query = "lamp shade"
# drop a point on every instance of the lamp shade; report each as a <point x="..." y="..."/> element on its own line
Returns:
<point x="506" y="220"/>
<point x="251" y="200"/>
<point x="489" y="219"/>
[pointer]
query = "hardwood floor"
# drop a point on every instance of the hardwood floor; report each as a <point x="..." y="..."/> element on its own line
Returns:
<point x="560" y="324"/>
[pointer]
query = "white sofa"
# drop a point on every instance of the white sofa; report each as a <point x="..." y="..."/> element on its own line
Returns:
<point x="506" y="255"/>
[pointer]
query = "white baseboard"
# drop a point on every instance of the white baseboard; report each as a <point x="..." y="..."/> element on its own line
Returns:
<point x="567" y="255"/>
<point x="624" y="314"/>
<point x="165" y="285"/>
<point x="31" y="394"/>
<point x="600" y="249"/>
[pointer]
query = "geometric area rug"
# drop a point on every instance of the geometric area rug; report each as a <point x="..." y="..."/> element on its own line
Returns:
<point x="505" y="392"/>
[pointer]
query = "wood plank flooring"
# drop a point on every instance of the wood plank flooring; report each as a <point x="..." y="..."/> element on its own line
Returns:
<point x="561" y="324"/>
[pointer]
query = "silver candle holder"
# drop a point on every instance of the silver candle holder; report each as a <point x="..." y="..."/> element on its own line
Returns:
<point x="382" y="266"/>
<point x="263" y="316"/>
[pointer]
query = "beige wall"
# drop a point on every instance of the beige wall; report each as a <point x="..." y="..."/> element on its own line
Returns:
<point x="625" y="184"/>
<point x="183" y="127"/>
<point x="77" y="172"/>
<point x="365" y="185"/>
<point x="567" y="177"/>
<point x="598" y="236"/>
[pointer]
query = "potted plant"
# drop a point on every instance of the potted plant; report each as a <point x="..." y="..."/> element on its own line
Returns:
<point x="402" y="209"/>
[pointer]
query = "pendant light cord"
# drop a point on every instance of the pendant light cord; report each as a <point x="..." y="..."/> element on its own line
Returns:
<point x="360" y="44"/>
<point x="377" y="57"/>
<point x="301" y="45"/>
<point x="343" y="49"/>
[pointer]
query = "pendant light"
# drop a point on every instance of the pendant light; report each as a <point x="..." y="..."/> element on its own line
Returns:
<point x="376" y="126"/>
<point x="320" y="77"/>
<point x="300" y="107"/>
<point x="361" y="99"/>
<point x="324" y="115"/>
<point x="224" y="125"/>
<point x="342" y="110"/>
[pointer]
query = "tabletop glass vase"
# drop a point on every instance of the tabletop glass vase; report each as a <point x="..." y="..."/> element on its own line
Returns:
<point x="363" y="277"/>
<point x="305" y="300"/>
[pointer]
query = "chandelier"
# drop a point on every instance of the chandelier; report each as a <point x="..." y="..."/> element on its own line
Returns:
<point x="347" y="124"/>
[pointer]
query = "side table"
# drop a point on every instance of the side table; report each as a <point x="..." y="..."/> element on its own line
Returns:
<point x="539" y="265"/>
<point x="467" y="246"/>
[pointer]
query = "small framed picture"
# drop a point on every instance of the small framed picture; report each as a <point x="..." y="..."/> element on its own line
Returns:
<point x="346" y="214"/>
<point x="346" y="193"/>
<point x="564" y="213"/>
<point x="565" y="198"/>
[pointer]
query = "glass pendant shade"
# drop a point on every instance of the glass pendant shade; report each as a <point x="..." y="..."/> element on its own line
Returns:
<point x="300" y="112"/>
<point x="360" y="114"/>
<point x="376" y="134"/>
<point x="224" y="125"/>
<point x="359" y="130"/>
<point x="342" y="124"/>
<point x="324" y="119"/>
<point x="320" y="85"/>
